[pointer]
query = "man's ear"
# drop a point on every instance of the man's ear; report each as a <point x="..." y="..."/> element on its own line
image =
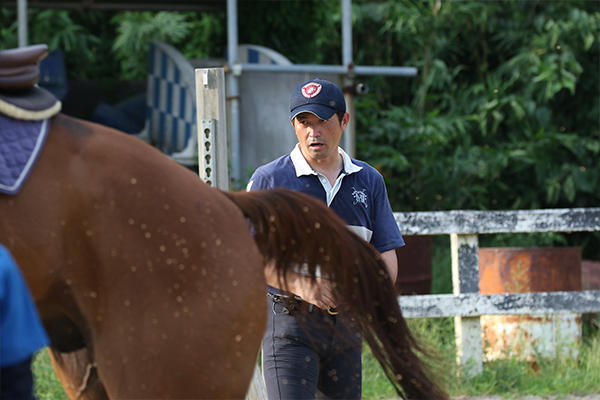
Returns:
<point x="345" y="121"/>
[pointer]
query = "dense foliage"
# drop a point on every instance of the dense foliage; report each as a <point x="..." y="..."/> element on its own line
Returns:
<point x="84" y="37"/>
<point x="504" y="113"/>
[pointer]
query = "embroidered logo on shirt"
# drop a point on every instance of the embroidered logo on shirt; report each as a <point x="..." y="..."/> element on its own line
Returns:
<point x="359" y="197"/>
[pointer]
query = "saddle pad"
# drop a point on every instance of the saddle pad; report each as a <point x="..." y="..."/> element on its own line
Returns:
<point x="20" y="144"/>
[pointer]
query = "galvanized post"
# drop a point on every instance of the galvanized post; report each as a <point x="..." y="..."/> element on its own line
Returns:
<point x="233" y="91"/>
<point x="465" y="279"/>
<point x="207" y="142"/>
<point x="348" y="139"/>
<point x="22" y="23"/>
<point x="212" y="127"/>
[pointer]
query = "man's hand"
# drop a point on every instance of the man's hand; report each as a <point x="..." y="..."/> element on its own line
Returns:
<point x="318" y="293"/>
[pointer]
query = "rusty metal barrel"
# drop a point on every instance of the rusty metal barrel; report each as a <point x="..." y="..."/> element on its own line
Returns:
<point x="520" y="270"/>
<point x="415" y="265"/>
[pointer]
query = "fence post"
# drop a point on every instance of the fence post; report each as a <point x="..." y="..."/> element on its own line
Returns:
<point x="465" y="279"/>
<point x="212" y="156"/>
<point x="212" y="127"/>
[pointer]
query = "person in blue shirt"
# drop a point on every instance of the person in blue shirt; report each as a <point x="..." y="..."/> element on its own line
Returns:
<point x="21" y="332"/>
<point x="309" y="349"/>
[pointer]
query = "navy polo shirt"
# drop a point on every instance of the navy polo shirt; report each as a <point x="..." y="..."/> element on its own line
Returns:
<point x="358" y="196"/>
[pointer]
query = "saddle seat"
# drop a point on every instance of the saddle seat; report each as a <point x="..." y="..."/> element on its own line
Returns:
<point x="19" y="68"/>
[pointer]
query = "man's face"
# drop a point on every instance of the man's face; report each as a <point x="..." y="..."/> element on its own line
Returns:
<point x="319" y="139"/>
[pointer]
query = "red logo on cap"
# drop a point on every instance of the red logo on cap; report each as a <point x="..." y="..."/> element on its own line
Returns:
<point x="311" y="90"/>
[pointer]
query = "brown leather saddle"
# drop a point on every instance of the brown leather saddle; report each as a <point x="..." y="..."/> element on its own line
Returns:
<point x="19" y="68"/>
<point x="20" y="97"/>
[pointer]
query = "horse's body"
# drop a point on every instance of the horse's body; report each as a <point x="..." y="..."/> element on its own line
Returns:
<point x="149" y="282"/>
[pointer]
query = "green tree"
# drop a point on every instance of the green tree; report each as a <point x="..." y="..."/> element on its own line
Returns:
<point x="84" y="37"/>
<point x="505" y="112"/>
<point x="135" y="31"/>
<point x="306" y="32"/>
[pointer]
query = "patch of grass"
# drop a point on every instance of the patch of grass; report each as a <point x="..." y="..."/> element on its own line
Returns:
<point x="375" y="383"/>
<point x="47" y="386"/>
<point x="560" y="376"/>
<point x="508" y="377"/>
<point x="437" y="339"/>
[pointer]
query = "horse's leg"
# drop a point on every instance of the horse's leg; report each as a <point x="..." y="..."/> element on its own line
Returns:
<point x="76" y="371"/>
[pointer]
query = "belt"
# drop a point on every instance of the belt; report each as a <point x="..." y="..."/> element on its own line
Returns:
<point x="293" y="304"/>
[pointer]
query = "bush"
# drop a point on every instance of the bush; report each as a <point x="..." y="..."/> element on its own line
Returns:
<point x="503" y="115"/>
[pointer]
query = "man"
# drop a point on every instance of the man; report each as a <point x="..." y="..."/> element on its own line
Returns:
<point x="21" y="332"/>
<point x="309" y="348"/>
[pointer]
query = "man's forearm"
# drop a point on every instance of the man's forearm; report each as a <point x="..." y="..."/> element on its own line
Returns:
<point x="391" y="264"/>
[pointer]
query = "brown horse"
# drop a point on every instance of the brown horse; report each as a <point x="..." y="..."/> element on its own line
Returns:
<point x="150" y="283"/>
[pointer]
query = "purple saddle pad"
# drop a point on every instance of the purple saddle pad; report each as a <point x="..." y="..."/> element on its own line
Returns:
<point x="20" y="144"/>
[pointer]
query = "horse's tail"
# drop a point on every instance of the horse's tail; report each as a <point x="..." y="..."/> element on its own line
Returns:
<point x="292" y="228"/>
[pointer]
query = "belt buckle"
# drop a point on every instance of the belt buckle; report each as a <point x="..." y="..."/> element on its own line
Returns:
<point x="287" y="305"/>
<point x="332" y="311"/>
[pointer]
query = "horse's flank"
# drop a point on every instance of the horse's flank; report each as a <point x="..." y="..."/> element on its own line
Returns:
<point x="125" y="250"/>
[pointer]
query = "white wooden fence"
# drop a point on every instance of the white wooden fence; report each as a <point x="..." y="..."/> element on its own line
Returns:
<point x="466" y="304"/>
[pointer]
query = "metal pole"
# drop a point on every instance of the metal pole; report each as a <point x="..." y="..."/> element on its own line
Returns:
<point x="212" y="127"/>
<point x="346" y="32"/>
<point x="329" y="69"/>
<point x="22" y="22"/>
<point x="348" y="80"/>
<point x="257" y="386"/>
<point x="233" y="88"/>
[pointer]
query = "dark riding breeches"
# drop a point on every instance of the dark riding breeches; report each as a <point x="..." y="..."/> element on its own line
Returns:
<point x="308" y="353"/>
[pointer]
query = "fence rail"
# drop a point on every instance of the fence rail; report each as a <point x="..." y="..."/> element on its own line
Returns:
<point x="472" y="305"/>
<point x="466" y="303"/>
<point x="517" y="221"/>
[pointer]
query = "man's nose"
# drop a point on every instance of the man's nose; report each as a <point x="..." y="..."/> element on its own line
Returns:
<point x="314" y="131"/>
<point x="314" y="135"/>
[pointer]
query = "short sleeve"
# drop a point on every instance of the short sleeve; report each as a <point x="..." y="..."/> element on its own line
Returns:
<point x="258" y="181"/>
<point x="386" y="234"/>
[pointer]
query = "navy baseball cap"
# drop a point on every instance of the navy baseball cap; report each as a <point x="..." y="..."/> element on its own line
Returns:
<point x="319" y="97"/>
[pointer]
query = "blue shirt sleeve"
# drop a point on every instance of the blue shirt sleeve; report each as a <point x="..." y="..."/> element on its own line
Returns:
<point x="21" y="331"/>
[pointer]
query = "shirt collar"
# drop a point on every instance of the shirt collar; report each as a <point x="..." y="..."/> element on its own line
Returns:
<point x="303" y="168"/>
